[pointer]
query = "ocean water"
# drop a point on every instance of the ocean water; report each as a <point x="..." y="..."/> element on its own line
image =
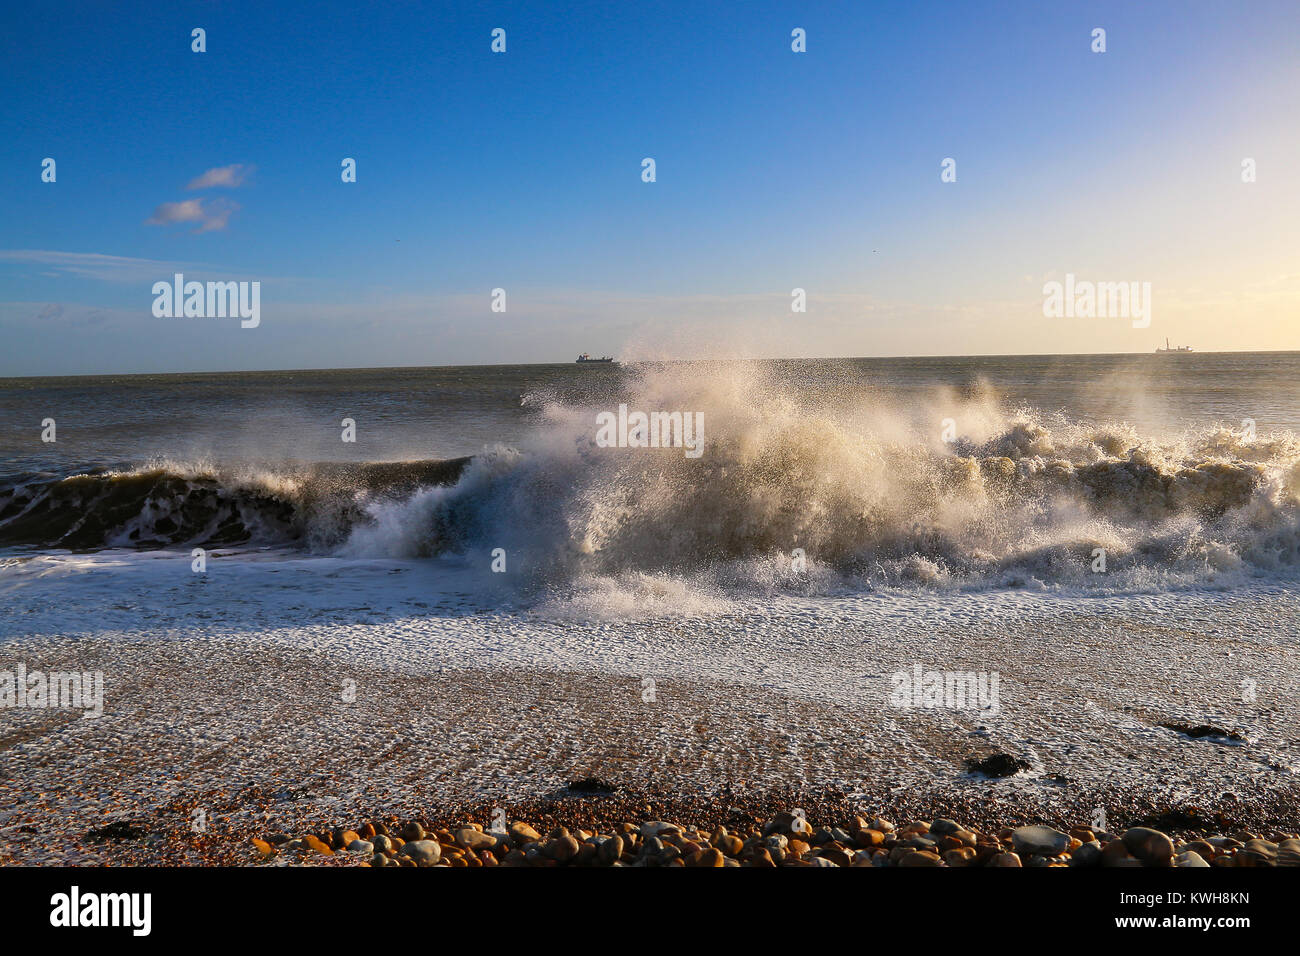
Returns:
<point x="846" y="522"/>
<point x="817" y="477"/>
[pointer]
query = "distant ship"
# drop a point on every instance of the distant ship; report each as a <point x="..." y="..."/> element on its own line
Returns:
<point x="1179" y="348"/>
<point x="584" y="357"/>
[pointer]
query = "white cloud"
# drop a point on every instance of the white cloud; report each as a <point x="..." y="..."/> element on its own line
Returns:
<point x="215" y="215"/>
<point x="191" y="210"/>
<point x="230" y="177"/>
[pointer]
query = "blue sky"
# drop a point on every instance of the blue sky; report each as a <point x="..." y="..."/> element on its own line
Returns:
<point x="521" y="170"/>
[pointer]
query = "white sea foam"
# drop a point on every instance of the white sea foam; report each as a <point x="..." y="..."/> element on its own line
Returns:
<point x="812" y="484"/>
<point x="868" y="490"/>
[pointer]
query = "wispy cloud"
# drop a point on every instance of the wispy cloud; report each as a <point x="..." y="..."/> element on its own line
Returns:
<point x="90" y="265"/>
<point x="230" y="177"/>
<point x="105" y="268"/>
<point x="215" y="215"/>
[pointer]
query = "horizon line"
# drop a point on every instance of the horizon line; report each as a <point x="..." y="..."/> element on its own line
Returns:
<point x="839" y="358"/>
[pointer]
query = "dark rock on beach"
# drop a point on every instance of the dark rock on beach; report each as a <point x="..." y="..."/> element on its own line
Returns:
<point x="120" y="830"/>
<point x="996" y="765"/>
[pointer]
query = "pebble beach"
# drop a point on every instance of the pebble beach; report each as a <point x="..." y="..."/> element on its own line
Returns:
<point x="217" y="752"/>
<point x="787" y="839"/>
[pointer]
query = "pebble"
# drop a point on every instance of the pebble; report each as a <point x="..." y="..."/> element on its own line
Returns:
<point x="868" y="838"/>
<point x="731" y="845"/>
<point x="1257" y="853"/>
<point x="1117" y="854"/>
<point x="658" y="828"/>
<point x="1089" y="854"/>
<point x="522" y="833"/>
<point x="610" y="850"/>
<point x="561" y="848"/>
<point x="787" y="839"/>
<point x="836" y="855"/>
<point x="422" y="852"/>
<point x="1288" y="853"/>
<point x="1150" y="846"/>
<point x="412" y="831"/>
<point x="967" y="837"/>
<point x="788" y="823"/>
<point x="1042" y="840"/>
<point x="317" y="844"/>
<point x="963" y="856"/>
<point x="476" y="840"/>
<point x="921" y="858"/>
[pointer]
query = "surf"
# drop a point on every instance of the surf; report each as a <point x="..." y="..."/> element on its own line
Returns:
<point x="808" y="483"/>
<point x="866" y="488"/>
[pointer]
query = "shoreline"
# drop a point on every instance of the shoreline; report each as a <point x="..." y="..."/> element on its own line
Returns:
<point x="258" y="737"/>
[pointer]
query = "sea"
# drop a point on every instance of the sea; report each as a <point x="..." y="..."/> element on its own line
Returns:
<point x="924" y="471"/>
<point x="1115" y="537"/>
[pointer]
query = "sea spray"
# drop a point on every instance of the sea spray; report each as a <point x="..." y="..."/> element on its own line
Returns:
<point x="869" y="491"/>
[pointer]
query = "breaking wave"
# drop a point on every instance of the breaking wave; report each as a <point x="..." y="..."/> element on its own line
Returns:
<point x="867" y="488"/>
<point x="799" y="488"/>
<point x="164" y="504"/>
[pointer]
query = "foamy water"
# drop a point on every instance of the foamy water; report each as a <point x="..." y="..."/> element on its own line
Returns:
<point x="841" y="526"/>
<point x="813" y="478"/>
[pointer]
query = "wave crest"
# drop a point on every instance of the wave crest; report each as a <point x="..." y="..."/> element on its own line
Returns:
<point x="805" y="484"/>
<point x="869" y="491"/>
<point x="167" y="503"/>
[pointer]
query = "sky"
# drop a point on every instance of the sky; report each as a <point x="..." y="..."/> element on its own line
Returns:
<point x="775" y="170"/>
